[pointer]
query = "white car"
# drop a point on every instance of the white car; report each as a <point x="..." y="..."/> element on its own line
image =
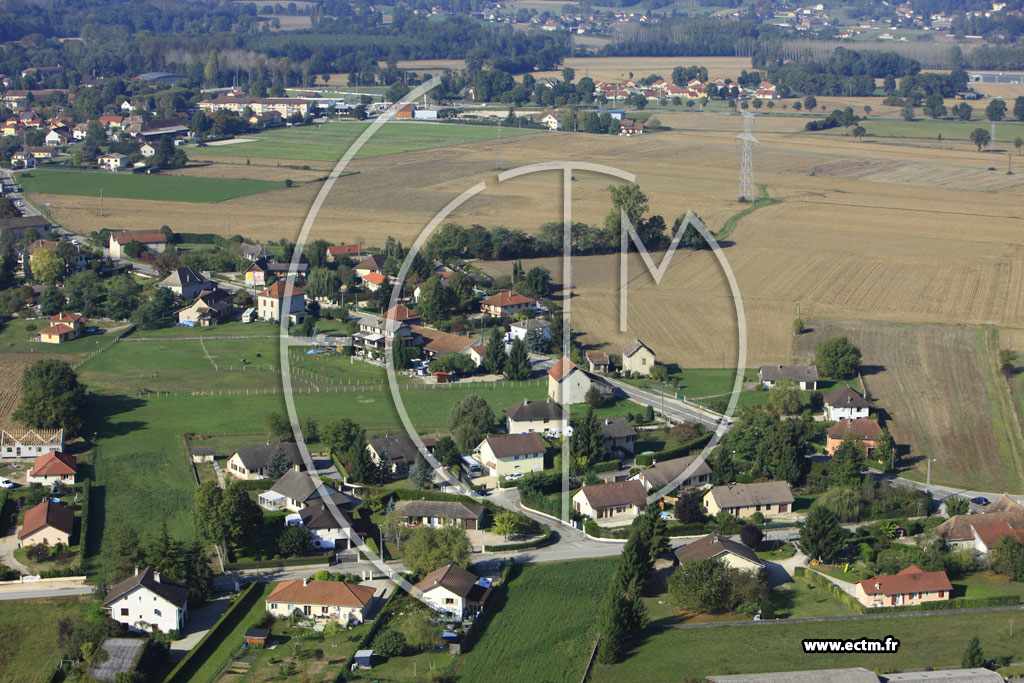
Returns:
<point x="6" y="483"/>
<point x="514" y="476"/>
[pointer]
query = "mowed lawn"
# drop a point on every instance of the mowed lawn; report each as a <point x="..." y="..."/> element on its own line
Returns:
<point x="925" y="641"/>
<point x="547" y="626"/>
<point x="131" y="186"/>
<point x="328" y="142"/>
<point x="28" y="636"/>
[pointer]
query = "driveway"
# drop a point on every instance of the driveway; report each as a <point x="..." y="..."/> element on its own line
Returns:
<point x="199" y="622"/>
<point x="8" y="544"/>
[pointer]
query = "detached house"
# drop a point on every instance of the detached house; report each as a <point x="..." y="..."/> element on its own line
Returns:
<point x="148" y="600"/>
<point x="322" y="600"/>
<point x="864" y="429"/>
<point x="845" y="403"/>
<point x="251" y="463"/>
<point x="715" y="546"/>
<point x="912" y="586"/>
<point x="187" y="283"/>
<point x="327" y="530"/>
<point x="296" y="491"/>
<point x="48" y="522"/>
<point x="113" y="161"/>
<point x="396" y="454"/>
<point x="339" y="251"/>
<point x="209" y="309"/>
<point x="154" y="241"/>
<point x="597" y="361"/>
<point x="454" y="591"/>
<point x="663" y="473"/>
<point x="619" y="437"/>
<point x="64" y="328"/>
<point x="806" y="376"/>
<point x="618" y="502"/>
<point x="371" y="264"/>
<point x="544" y="417"/>
<point x="506" y="303"/>
<point x="276" y="301"/>
<point x="743" y="500"/>
<point x="512" y="454"/>
<point x="637" y="358"/>
<point x="437" y="513"/>
<point x="569" y="384"/>
<point x="53" y="467"/>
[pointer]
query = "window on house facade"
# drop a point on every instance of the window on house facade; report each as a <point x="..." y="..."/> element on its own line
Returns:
<point x="124" y="611"/>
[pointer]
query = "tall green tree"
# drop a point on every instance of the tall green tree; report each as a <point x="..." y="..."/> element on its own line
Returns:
<point x="821" y="536"/>
<point x="587" y="443"/>
<point x="837" y="358"/>
<point x="517" y="365"/>
<point x="785" y="397"/>
<point x="360" y="466"/>
<point x="847" y="464"/>
<point x="473" y="411"/>
<point x="612" y="627"/>
<point x="238" y="512"/>
<point x="421" y="474"/>
<point x="51" y="301"/>
<point x="702" y="586"/>
<point x="428" y="549"/>
<point x="974" y="656"/>
<point x="52" y="397"/>
<point x="996" y="110"/>
<point x="980" y="137"/>
<point x="206" y="513"/>
<point x="494" y="355"/>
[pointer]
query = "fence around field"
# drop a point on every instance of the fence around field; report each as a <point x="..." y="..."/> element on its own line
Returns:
<point x="336" y="389"/>
<point x="105" y="347"/>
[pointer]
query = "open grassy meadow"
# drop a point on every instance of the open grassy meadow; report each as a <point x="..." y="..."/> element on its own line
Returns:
<point x="328" y="142"/>
<point x="28" y="636"/>
<point x="546" y="627"/>
<point x="676" y="654"/>
<point x="148" y="187"/>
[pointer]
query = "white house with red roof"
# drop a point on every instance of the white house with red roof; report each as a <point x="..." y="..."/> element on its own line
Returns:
<point x="53" y="467"/>
<point x="570" y="384"/>
<point x="276" y="300"/>
<point x="912" y="586"/>
<point x="152" y="240"/>
<point x="64" y="327"/>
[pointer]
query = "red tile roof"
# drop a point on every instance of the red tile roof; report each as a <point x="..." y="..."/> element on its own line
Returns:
<point x="401" y="312"/>
<point x="65" y="317"/>
<point x="48" y="514"/>
<point x="862" y="428"/>
<point x="506" y="298"/>
<point x="141" y="237"/>
<point x="374" y="278"/>
<point x="910" y="580"/>
<point x="991" y="532"/>
<point x="561" y="369"/>
<point x="344" y="249"/>
<point x="338" y="593"/>
<point x="277" y="290"/>
<point x="53" y="464"/>
<point x="59" y="328"/>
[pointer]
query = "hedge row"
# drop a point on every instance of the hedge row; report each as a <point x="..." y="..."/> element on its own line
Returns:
<point x="198" y="655"/>
<point x="494" y="604"/>
<point x="536" y="543"/>
<point x="77" y="569"/>
<point x="207" y="238"/>
<point x="252" y="484"/>
<point x="958" y="603"/>
<point x="685" y="449"/>
<point x="606" y="466"/>
<point x="5" y="511"/>
<point x="422" y="494"/>
<point x="375" y="626"/>
<point x="286" y="562"/>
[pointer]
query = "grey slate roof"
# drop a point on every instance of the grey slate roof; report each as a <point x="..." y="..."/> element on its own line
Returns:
<point x="439" y="508"/>
<point x="183" y="277"/>
<point x="395" y="447"/>
<point x="257" y="457"/>
<point x="845" y="397"/>
<point x="745" y="495"/>
<point x="536" y="410"/>
<point x="301" y="487"/>
<point x="634" y="347"/>
<point x="174" y="593"/>
<point x="799" y="373"/>
<point x="617" y="428"/>
<point x="661" y="473"/>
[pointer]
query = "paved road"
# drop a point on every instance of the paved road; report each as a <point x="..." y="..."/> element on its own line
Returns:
<point x="26" y="208"/>
<point x="673" y="408"/>
<point x="66" y="592"/>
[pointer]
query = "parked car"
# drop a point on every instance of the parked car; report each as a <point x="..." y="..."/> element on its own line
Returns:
<point x="514" y="476"/>
<point x="6" y="483"/>
<point x="980" y="500"/>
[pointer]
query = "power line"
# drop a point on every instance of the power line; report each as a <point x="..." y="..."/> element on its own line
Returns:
<point x="746" y="190"/>
<point x="499" y="166"/>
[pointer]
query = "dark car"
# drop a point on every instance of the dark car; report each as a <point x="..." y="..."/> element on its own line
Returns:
<point x="980" y="500"/>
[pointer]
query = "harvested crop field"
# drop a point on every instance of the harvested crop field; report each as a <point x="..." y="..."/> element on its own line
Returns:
<point x="12" y="366"/>
<point x="941" y="396"/>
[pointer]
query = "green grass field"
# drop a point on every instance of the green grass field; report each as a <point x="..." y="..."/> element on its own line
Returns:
<point x="28" y="636"/>
<point x="329" y="141"/>
<point x="153" y="187"/>
<point x="931" y="128"/>
<point x="925" y="641"/>
<point x="15" y="334"/>
<point x="220" y="657"/>
<point x="547" y="627"/>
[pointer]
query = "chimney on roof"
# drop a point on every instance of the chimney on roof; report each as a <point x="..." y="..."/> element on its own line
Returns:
<point x="156" y="576"/>
<point x="136" y="571"/>
<point x="780" y="367"/>
<point x="878" y="586"/>
<point x="305" y="581"/>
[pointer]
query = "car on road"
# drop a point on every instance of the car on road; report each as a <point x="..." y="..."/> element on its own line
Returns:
<point x="980" y="500"/>
<point x="6" y="483"/>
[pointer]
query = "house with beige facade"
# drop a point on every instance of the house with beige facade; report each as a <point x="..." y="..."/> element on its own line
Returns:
<point x="569" y="384"/>
<point x="743" y="500"/>
<point x="52" y="467"/>
<point x="251" y="463"/>
<point x="346" y="603"/>
<point x="714" y="546"/>
<point x="507" y="454"/>
<point x="454" y="591"/>
<point x="617" y="502"/>
<point x="663" y="473"/>
<point x="281" y="300"/>
<point x="543" y="417"/>
<point x="637" y="358"/>
<point x="912" y="586"/>
<point x="48" y="522"/>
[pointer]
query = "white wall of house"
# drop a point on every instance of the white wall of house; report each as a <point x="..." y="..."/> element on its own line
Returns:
<point x="236" y="469"/>
<point x="640" y="362"/>
<point x="836" y="413"/>
<point x="502" y="467"/>
<point x="611" y="514"/>
<point x="50" y="479"/>
<point x="443" y="600"/>
<point x="270" y="308"/>
<point x="572" y="389"/>
<point x="538" y="426"/>
<point x="336" y="612"/>
<point x="145" y="606"/>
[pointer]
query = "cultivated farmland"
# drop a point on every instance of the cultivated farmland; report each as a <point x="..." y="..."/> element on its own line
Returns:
<point x="12" y="366"/>
<point x="149" y="187"/>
